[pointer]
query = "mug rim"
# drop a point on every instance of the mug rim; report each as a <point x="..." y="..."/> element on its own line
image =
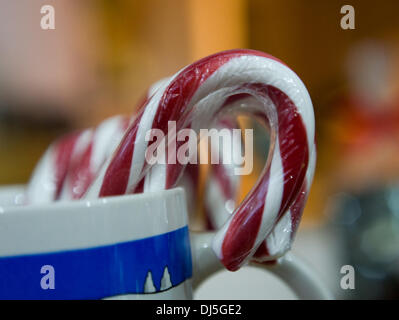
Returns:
<point x="80" y="224"/>
<point x="83" y="203"/>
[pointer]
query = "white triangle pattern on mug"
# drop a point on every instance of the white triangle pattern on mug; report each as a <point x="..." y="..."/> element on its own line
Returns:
<point x="165" y="281"/>
<point x="149" y="284"/>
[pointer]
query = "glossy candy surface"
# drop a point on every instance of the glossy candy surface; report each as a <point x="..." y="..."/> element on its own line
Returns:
<point x="263" y="225"/>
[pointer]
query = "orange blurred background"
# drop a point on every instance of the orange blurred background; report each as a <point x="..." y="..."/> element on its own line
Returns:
<point x="104" y="54"/>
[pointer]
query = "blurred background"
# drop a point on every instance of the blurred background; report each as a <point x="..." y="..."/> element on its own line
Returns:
<point x="103" y="55"/>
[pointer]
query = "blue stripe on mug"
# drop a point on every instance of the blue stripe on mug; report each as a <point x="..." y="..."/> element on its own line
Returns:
<point x="99" y="272"/>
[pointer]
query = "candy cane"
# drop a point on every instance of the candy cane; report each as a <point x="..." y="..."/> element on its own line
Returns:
<point x="222" y="190"/>
<point x="85" y="164"/>
<point x="48" y="177"/>
<point x="284" y="102"/>
<point x="70" y="164"/>
<point x="271" y="236"/>
<point x="222" y="185"/>
<point x="280" y="240"/>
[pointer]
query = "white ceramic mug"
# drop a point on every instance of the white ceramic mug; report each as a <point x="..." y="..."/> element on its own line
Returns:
<point x="124" y="247"/>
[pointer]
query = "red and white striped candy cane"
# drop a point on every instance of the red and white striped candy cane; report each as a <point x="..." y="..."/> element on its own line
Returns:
<point x="222" y="184"/>
<point x="86" y="164"/>
<point x="279" y="241"/>
<point x="222" y="190"/>
<point x="282" y="99"/>
<point x="70" y="164"/>
<point x="49" y="174"/>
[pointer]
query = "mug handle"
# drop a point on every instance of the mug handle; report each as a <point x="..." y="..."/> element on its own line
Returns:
<point x="299" y="276"/>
